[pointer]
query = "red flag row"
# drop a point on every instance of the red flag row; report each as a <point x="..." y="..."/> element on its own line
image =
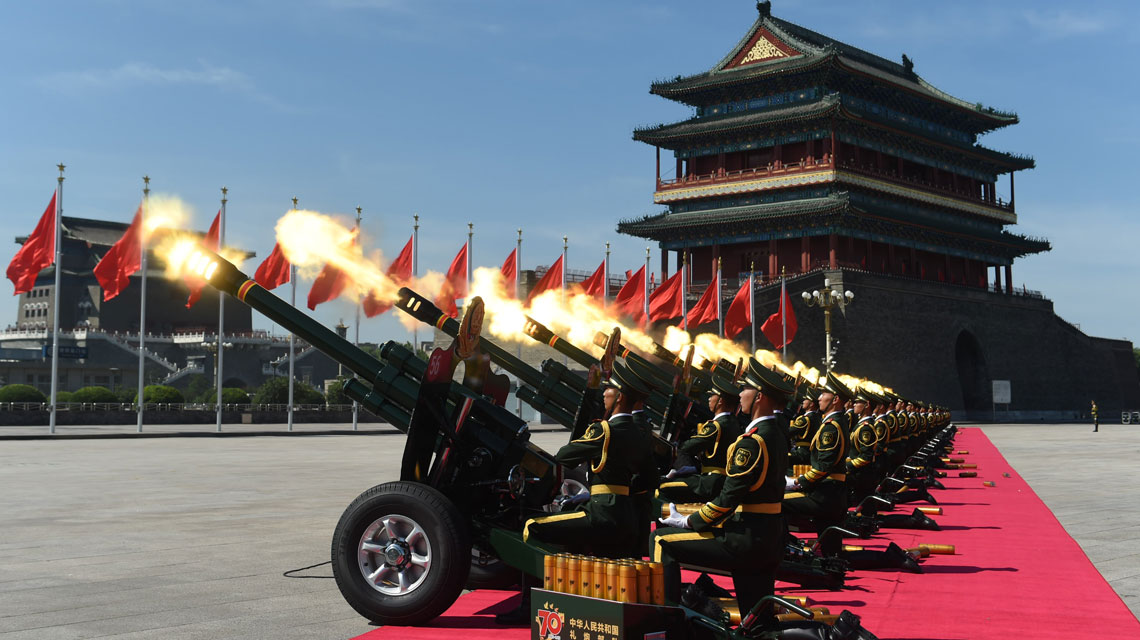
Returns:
<point x="666" y="302"/>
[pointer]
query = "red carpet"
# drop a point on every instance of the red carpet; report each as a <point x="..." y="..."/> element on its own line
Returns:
<point x="1016" y="574"/>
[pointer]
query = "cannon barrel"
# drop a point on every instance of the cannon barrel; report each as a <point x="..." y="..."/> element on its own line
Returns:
<point x="541" y="333"/>
<point x="560" y="395"/>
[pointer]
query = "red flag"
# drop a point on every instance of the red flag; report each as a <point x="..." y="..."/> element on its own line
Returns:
<point x="552" y="279"/>
<point x="454" y="285"/>
<point x="630" y="300"/>
<point x="595" y="285"/>
<point x="705" y="309"/>
<point x="211" y="243"/>
<point x="123" y="258"/>
<point x="37" y="253"/>
<point x="510" y="271"/>
<point x="274" y="270"/>
<point x="665" y="302"/>
<point x="773" y="327"/>
<point x="328" y="285"/>
<point x="739" y="314"/>
<point x="400" y="271"/>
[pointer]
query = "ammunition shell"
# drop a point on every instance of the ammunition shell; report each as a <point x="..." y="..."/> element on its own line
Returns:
<point x="939" y="549"/>
<point x="968" y="466"/>
<point x="657" y="577"/>
<point x="967" y="474"/>
<point x="560" y="573"/>
<point x="644" y="583"/>
<point x="628" y="580"/>
<point x="963" y="453"/>
<point x="922" y="551"/>
<point x="548" y="572"/>
<point x="573" y="568"/>
<point x="931" y="511"/>
<point x="851" y="547"/>
<point x="613" y="586"/>
<point x="989" y="483"/>
<point x="586" y="577"/>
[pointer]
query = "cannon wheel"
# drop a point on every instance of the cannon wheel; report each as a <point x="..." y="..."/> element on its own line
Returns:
<point x="401" y="553"/>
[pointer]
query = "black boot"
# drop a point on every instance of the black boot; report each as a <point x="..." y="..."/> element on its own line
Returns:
<point x="520" y="615"/>
<point x="902" y="559"/>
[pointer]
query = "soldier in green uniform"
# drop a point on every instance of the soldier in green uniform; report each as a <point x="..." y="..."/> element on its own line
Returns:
<point x="615" y="450"/>
<point x="739" y="531"/>
<point x="821" y="493"/>
<point x="1095" y="417"/>
<point x="709" y="446"/>
<point x="861" y="479"/>
<point x="804" y="426"/>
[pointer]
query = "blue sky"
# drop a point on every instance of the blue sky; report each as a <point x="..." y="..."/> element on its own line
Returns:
<point x="519" y="114"/>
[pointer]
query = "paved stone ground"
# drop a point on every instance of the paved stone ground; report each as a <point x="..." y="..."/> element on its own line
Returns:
<point x="186" y="538"/>
<point x="1089" y="482"/>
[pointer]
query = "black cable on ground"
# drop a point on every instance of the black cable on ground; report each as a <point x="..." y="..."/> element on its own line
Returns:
<point x="313" y="566"/>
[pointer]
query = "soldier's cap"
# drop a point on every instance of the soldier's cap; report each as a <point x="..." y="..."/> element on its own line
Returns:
<point x="768" y="380"/>
<point x="654" y="378"/>
<point x="836" y="386"/>
<point x="622" y="379"/>
<point x="724" y="386"/>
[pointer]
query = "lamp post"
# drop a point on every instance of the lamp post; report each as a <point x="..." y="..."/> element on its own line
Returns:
<point x="827" y="298"/>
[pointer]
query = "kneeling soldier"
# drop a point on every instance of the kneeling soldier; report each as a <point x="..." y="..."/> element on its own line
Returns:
<point x="615" y="449"/>
<point x="709" y="446"/>
<point x="821" y="493"/>
<point x="741" y="530"/>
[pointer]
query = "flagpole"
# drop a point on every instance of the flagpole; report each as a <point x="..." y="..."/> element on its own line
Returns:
<point x="783" y="314"/>
<point x="719" y="317"/>
<point x="752" y="304"/>
<point x="606" y="278"/>
<point x="684" y="296"/>
<point x="55" y="301"/>
<point x="646" y="285"/>
<point x="142" y="300"/>
<point x="470" y="233"/>
<point x="356" y="338"/>
<point x="518" y="296"/>
<point x="416" y="274"/>
<point x="221" y="311"/>
<point x="293" y="303"/>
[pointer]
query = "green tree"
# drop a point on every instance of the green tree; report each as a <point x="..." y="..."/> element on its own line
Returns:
<point x="21" y="393"/>
<point x="94" y="394"/>
<point x="64" y="396"/>
<point x="1136" y="355"/>
<point x="161" y="394"/>
<point x="276" y="391"/>
<point x="335" y="393"/>
<point x="233" y="395"/>
<point x="200" y="387"/>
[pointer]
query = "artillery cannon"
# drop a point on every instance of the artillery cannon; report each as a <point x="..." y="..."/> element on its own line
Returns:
<point x="469" y="478"/>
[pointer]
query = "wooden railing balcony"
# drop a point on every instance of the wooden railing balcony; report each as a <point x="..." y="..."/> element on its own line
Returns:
<point x="890" y="175"/>
<point x="770" y="170"/>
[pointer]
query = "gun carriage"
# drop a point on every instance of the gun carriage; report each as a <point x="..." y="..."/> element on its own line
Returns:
<point x="469" y="477"/>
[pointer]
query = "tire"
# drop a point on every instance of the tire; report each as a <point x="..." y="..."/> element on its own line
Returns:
<point x="489" y="572"/>
<point x="401" y="553"/>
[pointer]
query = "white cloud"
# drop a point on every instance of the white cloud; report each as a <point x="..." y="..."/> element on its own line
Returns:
<point x="1063" y="23"/>
<point x="141" y="74"/>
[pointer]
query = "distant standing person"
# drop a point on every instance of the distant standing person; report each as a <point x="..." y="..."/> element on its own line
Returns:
<point x="1096" y="420"/>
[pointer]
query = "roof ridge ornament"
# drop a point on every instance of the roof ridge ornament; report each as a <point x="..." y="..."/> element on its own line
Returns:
<point x="765" y="8"/>
<point x="908" y="64"/>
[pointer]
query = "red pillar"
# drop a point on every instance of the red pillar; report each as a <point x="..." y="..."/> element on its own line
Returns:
<point x="833" y="245"/>
<point x="805" y="254"/>
<point x="664" y="264"/>
<point x="1009" y="278"/>
<point x="773" y="261"/>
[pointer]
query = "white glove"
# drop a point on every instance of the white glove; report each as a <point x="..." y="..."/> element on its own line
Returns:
<point x="790" y="484"/>
<point x="683" y="471"/>
<point x="675" y="519"/>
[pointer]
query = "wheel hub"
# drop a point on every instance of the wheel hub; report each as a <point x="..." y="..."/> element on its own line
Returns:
<point x="394" y="555"/>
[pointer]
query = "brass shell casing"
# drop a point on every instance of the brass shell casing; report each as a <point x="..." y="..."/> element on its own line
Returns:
<point x="939" y="549"/>
<point x="627" y="592"/>
<point x="931" y="511"/>
<point x="967" y="474"/>
<point x="573" y="573"/>
<point x="657" y="577"/>
<point x="560" y="573"/>
<point x="548" y="572"/>
<point x="644" y="583"/>
<point x="613" y="585"/>
<point x="586" y="577"/>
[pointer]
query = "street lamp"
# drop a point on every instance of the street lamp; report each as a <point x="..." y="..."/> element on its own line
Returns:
<point x="826" y="298"/>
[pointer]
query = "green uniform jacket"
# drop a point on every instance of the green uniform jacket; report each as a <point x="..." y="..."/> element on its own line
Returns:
<point x="754" y="482"/>
<point x="615" y="451"/>
<point x="863" y="440"/>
